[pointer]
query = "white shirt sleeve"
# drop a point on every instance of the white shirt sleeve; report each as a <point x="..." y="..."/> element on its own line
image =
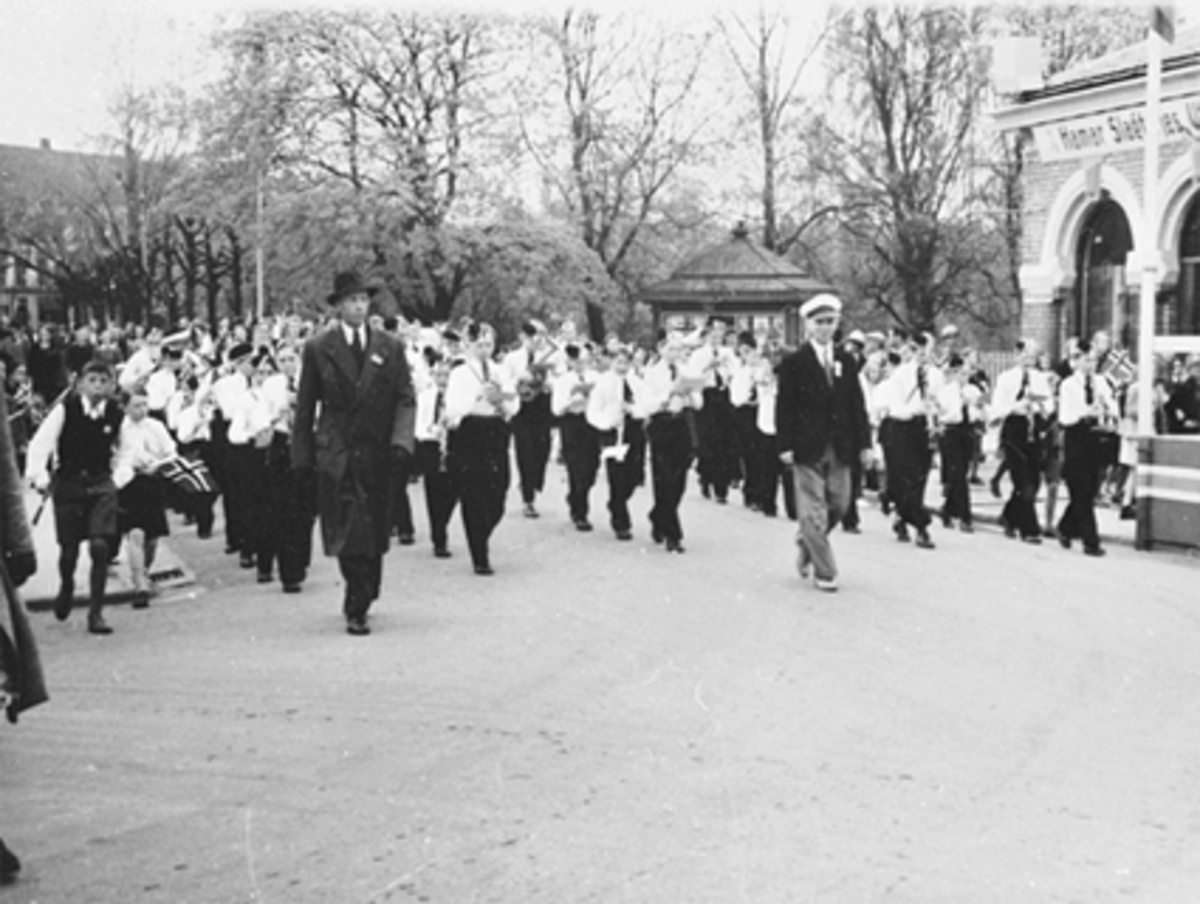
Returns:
<point x="44" y="447"/>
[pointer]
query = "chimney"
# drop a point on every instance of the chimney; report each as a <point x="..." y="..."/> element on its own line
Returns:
<point x="44" y="144"/>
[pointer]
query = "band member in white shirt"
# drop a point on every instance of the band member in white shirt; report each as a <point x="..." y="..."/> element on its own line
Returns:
<point x="960" y="408"/>
<point x="1022" y="402"/>
<point x="479" y="403"/>
<point x="529" y="367"/>
<point x="615" y="413"/>
<point x="290" y="504"/>
<point x="580" y="445"/>
<point x="672" y="397"/>
<point x="743" y="399"/>
<point x="228" y="390"/>
<point x="250" y="433"/>
<point x="911" y="408"/>
<point x="143" y="448"/>
<point x="1087" y="410"/>
<point x="431" y="432"/>
<point x="714" y="421"/>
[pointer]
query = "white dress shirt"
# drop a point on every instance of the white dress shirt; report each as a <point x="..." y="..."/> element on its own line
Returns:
<point x="905" y="398"/>
<point x="44" y="445"/>
<point x="143" y="445"/>
<point x="569" y="392"/>
<point x="1072" y="400"/>
<point x="428" y="426"/>
<point x="607" y="407"/>
<point x="1008" y="394"/>
<point x="951" y="398"/>
<point x="659" y="385"/>
<point x="466" y="392"/>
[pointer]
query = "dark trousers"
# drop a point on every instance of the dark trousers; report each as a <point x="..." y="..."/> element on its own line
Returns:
<point x="1082" y="454"/>
<point x="624" y="476"/>
<point x="776" y="473"/>
<point x="479" y="465"/>
<point x="581" y="450"/>
<point x="957" y="448"/>
<point x="749" y="455"/>
<point x="441" y="494"/>
<point x="248" y="526"/>
<point x="531" y="440"/>
<point x="1023" y="460"/>
<point x="362" y="575"/>
<point x="908" y="470"/>
<point x="291" y="512"/>
<point x="716" y="455"/>
<point x="670" y="457"/>
<point x="851" y="518"/>
<point x="402" y="519"/>
<point x="224" y="469"/>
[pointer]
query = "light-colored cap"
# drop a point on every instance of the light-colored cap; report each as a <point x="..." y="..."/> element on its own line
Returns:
<point x="820" y="304"/>
<point x="857" y="336"/>
<point x="949" y="330"/>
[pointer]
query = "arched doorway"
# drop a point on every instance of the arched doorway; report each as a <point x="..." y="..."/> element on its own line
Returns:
<point x="1102" y="298"/>
<point x="1183" y="318"/>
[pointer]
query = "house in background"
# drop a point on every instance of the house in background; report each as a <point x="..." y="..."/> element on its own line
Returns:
<point x="53" y="193"/>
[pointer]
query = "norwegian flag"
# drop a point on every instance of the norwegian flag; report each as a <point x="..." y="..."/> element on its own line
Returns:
<point x="1119" y="367"/>
<point x="189" y="476"/>
<point x="1162" y="20"/>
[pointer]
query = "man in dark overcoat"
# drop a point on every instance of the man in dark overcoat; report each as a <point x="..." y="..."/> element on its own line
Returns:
<point x="821" y="427"/>
<point x="361" y="380"/>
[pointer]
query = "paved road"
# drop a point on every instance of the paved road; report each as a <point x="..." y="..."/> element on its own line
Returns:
<point x="603" y="721"/>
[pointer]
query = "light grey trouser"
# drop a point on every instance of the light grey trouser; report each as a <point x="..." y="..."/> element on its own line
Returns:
<point x="822" y="497"/>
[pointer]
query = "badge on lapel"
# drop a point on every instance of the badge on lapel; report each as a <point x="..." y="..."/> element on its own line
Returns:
<point x="377" y="360"/>
<point x="837" y="369"/>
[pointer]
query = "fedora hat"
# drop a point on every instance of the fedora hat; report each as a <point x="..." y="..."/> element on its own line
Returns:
<point x="349" y="283"/>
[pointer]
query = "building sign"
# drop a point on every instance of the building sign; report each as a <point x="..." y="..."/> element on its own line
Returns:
<point x="1116" y="130"/>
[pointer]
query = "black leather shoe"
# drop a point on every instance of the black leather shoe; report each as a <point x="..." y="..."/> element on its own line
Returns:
<point x="624" y="535"/>
<point x="675" y="546"/>
<point x="265" y="577"/>
<point x="1064" y="541"/>
<point x="407" y="539"/>
<point x="357" y="626"/>
<point x="291" y="588"/>
<point x="851" y="529"/>
<point x="1032" y="539"/>
<point x="141" y="600"/>
<point x="901" y="530"/>
<point x="967" y="527"/>
<point x="246" y="560"/>
<point x="1094" y="551"/>
<point x="582" y="524"/>
<point x="62" y="604"/>
<point x="530" y="511"/>
<point x="441" y="552"/>
<point x="924" y="541"/>
<point x="484" y="570"/>
<point x="9" y="864"/>
<point x="97" y="624"/>
<point x="656" y="535"/>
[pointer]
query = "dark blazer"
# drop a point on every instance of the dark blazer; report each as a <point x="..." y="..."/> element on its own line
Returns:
<point x="811" y="414"/>
<point x="362" y="420"/>
<point x="19" y="660"/>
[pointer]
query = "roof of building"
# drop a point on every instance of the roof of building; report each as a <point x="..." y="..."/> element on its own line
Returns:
<point x="1128" y="62"/>
<point x="42" y="171"/>
<point x="739" y="271"/>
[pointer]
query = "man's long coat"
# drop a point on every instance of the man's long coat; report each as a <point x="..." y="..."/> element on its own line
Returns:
<point x="347" y="426"/>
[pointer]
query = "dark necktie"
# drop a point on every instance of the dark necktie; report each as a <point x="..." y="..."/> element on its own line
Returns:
<point x="921" y="380"/>
<point x="360" y="352"/>
<point x="437" y="408"/>
<point x="627" y="393"/>
<point x="1089" y="391"/>
<point x="1024" y="385"/>
<point x="966" y="409"/>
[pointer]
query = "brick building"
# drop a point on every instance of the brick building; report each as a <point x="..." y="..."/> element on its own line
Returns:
<point x="1084" y="133"/>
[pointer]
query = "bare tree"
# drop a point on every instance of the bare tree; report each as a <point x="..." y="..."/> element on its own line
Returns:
<point x="622" y="95"/>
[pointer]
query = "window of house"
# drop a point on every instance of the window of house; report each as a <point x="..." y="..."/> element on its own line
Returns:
<point x="1183" y="317"/>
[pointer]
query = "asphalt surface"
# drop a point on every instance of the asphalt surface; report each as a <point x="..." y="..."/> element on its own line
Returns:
<point x="604" y="721"/>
